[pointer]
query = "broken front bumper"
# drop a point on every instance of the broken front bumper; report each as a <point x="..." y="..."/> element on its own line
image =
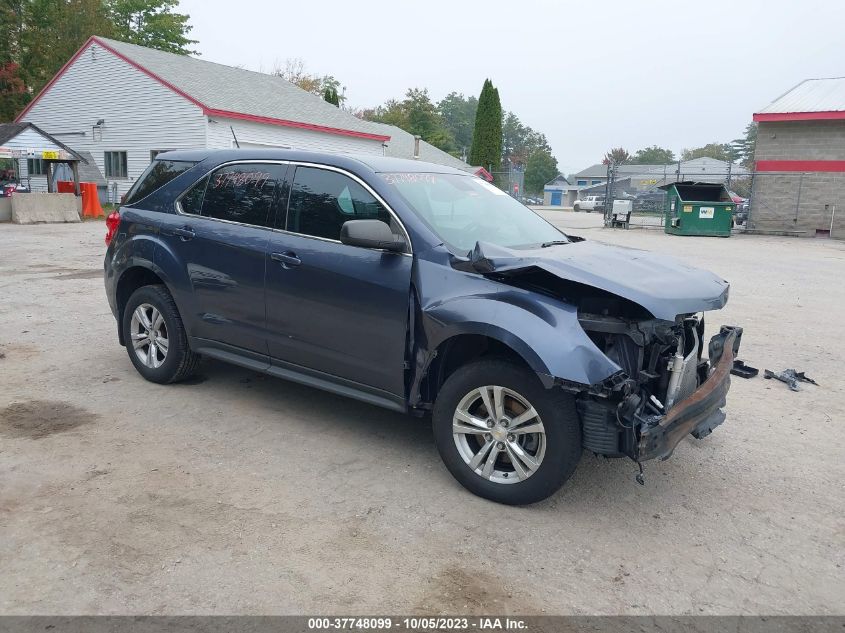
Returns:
<point x="700" y="412"/>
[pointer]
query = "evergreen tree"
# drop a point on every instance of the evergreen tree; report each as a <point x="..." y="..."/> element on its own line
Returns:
<point x="330" y="95"/>
<point x="487" y="136"/>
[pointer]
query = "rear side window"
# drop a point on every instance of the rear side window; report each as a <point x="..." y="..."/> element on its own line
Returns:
<point x="158" y="174"/>
<point x="322" y="200"/>
<point x="191" y="201"/>
<point x="243" y="193"/>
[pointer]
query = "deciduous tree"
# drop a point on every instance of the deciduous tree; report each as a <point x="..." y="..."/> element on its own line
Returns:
<point x="458" y="114"/>
<point x="719" y="151"/>
<point x="616" y="156"/>
<point x="653" y="155"/>
<point x="540" y="169"/>
<point x="294" y="71"/>
<point x="151" y="23"/>
<point x="38" y="36"/>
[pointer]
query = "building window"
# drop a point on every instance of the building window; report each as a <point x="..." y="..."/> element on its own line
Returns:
<point x="156" y="152"/>
<point x="595" y="182"/>
<point x="36" y="167"/>
<point x="116" y="165"/>
<point x="581" y="182"/>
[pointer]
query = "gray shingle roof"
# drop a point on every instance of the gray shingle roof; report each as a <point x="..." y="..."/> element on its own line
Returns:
<point x="228" y="89"/>
<point x="89" y="172"/>
<point x="401" y="145"/>
<point x="11" y="130"/>
<point x="811" y="95"/>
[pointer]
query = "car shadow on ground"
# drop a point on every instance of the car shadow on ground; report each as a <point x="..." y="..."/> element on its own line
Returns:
<point x="598" y="485"/>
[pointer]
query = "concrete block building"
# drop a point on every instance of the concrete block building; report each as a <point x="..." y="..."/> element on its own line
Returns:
<point x="799" y="185"/>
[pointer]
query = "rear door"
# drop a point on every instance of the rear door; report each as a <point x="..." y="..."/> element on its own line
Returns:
<point x="341" y="310"/>
<point x="221" y="234"/>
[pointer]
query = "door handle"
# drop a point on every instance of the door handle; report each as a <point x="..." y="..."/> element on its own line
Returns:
<point x="185" y="233"/>
<point x="287" y="259"/>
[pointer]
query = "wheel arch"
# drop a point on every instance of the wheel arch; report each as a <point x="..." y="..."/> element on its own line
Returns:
<point x="470" y="345"/>
<point x="134" y="277"/>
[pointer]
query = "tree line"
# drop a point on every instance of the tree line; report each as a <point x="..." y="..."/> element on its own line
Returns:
<point x="475" y="129"/>
<point x="739" y="150"/>
<point x="38" y="36"/>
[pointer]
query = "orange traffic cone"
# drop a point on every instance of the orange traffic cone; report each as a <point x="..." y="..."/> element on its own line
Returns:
<point x="90" y="201"/>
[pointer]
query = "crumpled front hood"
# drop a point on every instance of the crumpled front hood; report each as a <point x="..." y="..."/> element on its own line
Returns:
<point x="661" y="284"/>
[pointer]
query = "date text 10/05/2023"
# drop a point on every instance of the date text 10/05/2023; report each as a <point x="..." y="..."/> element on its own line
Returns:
<point x="417" y="623"/>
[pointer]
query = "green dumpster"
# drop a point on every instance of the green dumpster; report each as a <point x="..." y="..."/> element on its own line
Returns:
<point x="698" y="208"/>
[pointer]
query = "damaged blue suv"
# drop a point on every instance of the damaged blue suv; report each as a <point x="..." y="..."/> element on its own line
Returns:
<point x="425" y="290"/>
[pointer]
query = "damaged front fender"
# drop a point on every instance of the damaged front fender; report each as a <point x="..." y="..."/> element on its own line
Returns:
<point x="544" y="331"/>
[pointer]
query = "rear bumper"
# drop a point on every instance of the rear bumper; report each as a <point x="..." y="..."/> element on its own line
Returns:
<point x="700" y="412"/>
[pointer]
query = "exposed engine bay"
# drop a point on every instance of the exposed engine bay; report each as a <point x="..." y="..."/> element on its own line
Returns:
<point x="663" y="366"/>
<point x="643" y="316"/>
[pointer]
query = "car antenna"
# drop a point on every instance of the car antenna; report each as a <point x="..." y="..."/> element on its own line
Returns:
<point x="238" y="145"/>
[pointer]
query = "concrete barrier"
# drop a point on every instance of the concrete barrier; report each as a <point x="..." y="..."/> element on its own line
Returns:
<point x="5" y="209"/>
<point x="31" y="208"/>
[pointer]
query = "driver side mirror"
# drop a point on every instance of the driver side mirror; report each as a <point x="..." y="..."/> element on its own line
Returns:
<point x="371" y="234"/>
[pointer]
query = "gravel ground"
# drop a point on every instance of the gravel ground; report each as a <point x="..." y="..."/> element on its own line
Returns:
<point x="238" y="493"/>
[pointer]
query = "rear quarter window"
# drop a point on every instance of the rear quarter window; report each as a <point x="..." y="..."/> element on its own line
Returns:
<point x="158" y="174"/>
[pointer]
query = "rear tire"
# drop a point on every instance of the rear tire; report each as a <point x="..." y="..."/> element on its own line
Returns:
<point x="532" y="455"/>
<point x="155" y="337"/>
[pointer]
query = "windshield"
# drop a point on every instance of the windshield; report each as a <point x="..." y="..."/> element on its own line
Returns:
<point x="463" y="210"/>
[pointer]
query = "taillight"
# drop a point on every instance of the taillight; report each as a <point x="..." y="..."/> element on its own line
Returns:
<point x="112" y="222"/>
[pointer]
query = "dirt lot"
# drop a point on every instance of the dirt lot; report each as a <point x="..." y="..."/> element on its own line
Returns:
<point x="238" y="493"/>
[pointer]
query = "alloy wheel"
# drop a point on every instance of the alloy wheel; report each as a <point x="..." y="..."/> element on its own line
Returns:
<point x="499" y="434"/>
<point x="148" y="332"/>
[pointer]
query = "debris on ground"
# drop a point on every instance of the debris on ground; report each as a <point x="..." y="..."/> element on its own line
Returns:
<point x="790" y="377"/>
<point x="744" y="371"/>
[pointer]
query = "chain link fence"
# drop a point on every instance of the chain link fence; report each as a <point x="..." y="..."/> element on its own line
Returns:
<point x="647" y="195"/>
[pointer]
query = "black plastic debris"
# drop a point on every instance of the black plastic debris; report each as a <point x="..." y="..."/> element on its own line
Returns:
<point x="790" y="377"/>
<point x="744" y="371"/>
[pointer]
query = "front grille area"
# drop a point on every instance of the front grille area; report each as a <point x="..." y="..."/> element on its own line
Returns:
<point x="600" y="430"/>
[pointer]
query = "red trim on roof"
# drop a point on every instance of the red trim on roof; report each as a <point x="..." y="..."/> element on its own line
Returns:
<point x="206" y="110"/>
<point x="830" y="115"/>
<point x="801" y="165"/>
<point x="226" y="114"/>
<point x="54" y="79"/>
<point x="483" y="173"/>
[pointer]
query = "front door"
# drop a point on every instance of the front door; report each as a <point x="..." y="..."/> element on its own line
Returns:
<point x="221" y="236"/>
<point x="341" y="310"/>
<point x="556" y="198"/>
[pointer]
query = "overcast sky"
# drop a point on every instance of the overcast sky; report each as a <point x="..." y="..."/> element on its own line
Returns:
<point x="590" y="75"/>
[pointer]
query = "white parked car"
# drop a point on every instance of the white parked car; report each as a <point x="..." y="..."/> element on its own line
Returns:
<point x="590" y="204"/>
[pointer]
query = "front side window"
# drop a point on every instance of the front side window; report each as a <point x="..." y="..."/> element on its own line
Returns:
<point x="463" y="210"/>
<point x="36" y="167"/>
<point x="115" y="163"/>
<point x="158" y="174"/>
<point x="322" y="200"/>
<point x="239" y="193"/>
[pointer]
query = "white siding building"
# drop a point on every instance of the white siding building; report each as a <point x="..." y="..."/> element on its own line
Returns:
<point x="124" y="103"/>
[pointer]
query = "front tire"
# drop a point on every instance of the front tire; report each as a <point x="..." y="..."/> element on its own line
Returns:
<point x="155" y="337"/>
<point x="503" y="436"/>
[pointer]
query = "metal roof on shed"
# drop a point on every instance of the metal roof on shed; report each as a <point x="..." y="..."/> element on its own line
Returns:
<point x="811" y="99"/>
